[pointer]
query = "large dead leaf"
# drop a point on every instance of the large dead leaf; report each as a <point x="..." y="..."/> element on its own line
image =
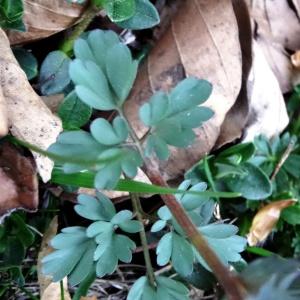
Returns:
<point x="202" y="41"/>
<point x="28" y="117"/>
<point x="43" y="18"/>
<point x="18" y="180"/>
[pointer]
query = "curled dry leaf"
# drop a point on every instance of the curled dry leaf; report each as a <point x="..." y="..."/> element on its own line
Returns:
<point x="202" y="41"/>
<point x="43" y="18"/>
<point x="267" y="110"/>
<point x="18" y="180"/>
<point x="265" y="220"/>
<point x="28" y="117"/>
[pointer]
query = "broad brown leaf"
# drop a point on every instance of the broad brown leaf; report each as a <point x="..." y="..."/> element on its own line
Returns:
<point x="43" y="18"/>
<point x="277" y="29"/>
<point x="202" y="41"/>
<point x="28" y="117"/>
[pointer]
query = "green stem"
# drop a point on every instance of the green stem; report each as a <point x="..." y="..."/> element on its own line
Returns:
<point x="62" y="292"/>
<point x="136" y="206"/>
<point x="84" y="286"/>
<point x="90" y="13"/>
<point x="209" y="176"/>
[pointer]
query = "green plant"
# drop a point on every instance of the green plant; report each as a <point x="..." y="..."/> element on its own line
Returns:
<point x="11" y="14"/>
<point x="103" y="74"/>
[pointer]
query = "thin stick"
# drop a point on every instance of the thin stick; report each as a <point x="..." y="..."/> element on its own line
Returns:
<point x="283" y="158"/>
<point x="136" y="204"/>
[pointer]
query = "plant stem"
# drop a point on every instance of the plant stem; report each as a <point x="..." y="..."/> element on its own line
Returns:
<point x="232" y="285"/>
<point x="62" y="292"/>
<point x="136" y="206"/>
<point x="283" y="158"/>
<point x="87" y="18"/>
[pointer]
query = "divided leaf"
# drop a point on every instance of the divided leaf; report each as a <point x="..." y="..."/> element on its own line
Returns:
<point x="73" y="256"/>
<point x="145" y="16"/>
<point x="223" y="240"/>
<point x="166" y="289"/>
<point x="107" y="134"/>
<point x="103" y="71"/>
<point x="172" y="117"/>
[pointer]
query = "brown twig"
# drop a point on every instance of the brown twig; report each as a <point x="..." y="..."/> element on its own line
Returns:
<point x="283" y="158"/>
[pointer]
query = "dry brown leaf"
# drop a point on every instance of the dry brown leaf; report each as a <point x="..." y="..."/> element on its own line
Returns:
<point x="202" y="41"/>
<point x="267" y="110"/>
<point x="236" y="118"/>
<point x="277" y="28"/>
<point x="265" y="220"/>
<point x="43" y="18"/>
<point x="18" y="180"/>
<point x="276" y="20"/>
<point x="45" y="281"/>
<point x="28" y="117"/>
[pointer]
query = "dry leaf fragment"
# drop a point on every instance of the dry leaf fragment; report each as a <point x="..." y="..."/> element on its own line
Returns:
<point x="43" y="18"/>
<point x="28" y="117"/>
<point x="18" y="180"/>
<point x="89" y="298"/>
<point x="265" y="220"/>
<point x="267" y="114"/>
<point x="295" y="59"/>
<point x="202" y="41"/>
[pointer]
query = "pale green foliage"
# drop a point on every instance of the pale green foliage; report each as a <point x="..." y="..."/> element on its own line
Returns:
<point x="173" y="116"/>
<point x="166" y="289"/>
<point x="80" y="250"/>
<point x="174" y="247"/>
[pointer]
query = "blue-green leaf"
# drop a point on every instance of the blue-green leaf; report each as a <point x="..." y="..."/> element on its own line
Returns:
<point x="99" y="208"/>
<point x="164" y="249"/>
<point x="146" y="16"/>
<point x="121" y="70"/>
<point x="173" y="117"/>
<point x="91" y="84"/>
<point x="108" y="134"/>
<point x="54" y="73"/>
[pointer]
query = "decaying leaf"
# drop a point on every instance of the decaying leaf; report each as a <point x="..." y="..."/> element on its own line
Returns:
<point x="236" y="118"/>
<point x="202" y="41"/>
<point x="28" y="117"/>
<point x="295" y="58"/>
<point x="267" y="115"/>
<point x="50" y="290"/>
<point x="265" y="220"/>
<point x="43" y="18"/>
<point x="18" y="180"/>
<point x="277" y="29"/>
